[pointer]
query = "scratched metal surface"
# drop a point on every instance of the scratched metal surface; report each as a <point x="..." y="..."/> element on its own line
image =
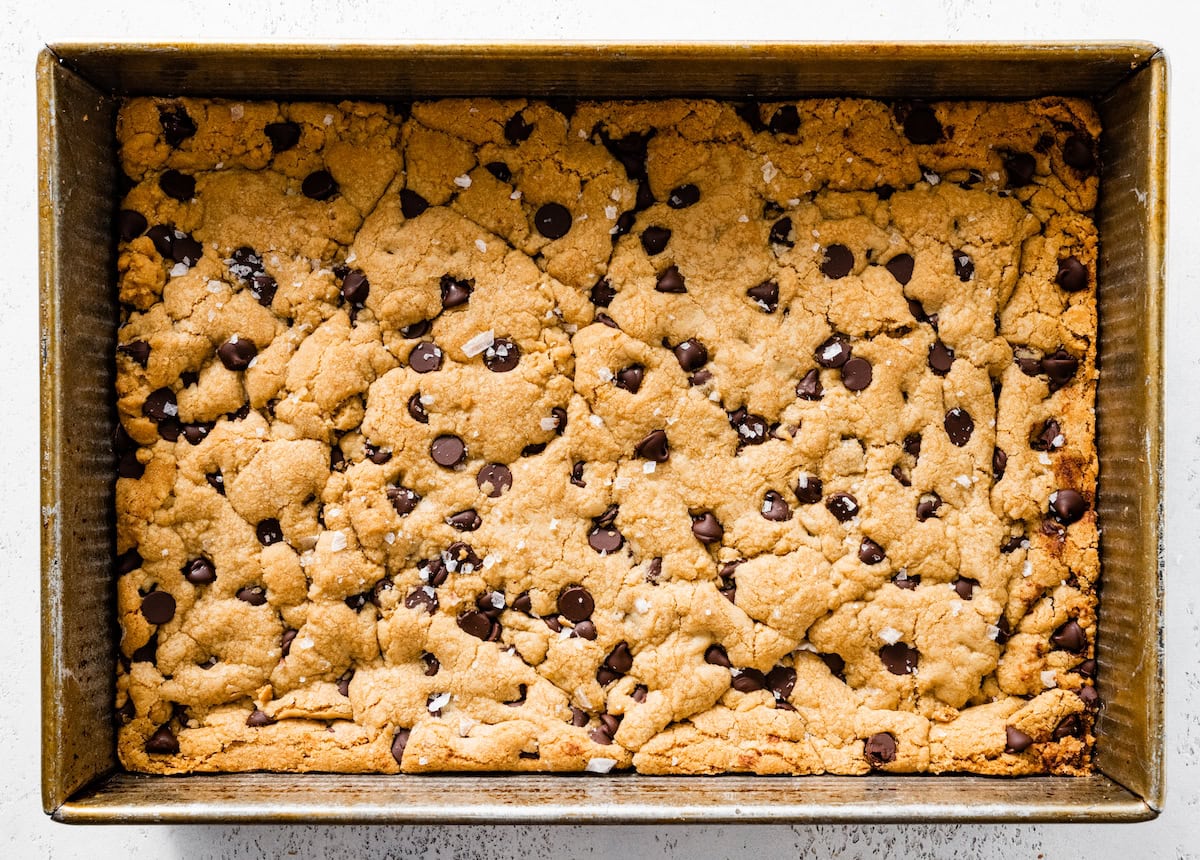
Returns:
<point x="24" y="832"/>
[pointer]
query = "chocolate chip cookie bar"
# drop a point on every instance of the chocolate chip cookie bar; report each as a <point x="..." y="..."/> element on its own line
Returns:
<point x="683" y="436"/>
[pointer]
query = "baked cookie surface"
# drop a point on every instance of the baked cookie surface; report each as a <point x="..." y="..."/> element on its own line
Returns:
<point x="681" y="436"/>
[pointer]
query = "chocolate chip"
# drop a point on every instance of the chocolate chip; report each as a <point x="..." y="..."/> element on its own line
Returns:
<point x="918" y="312"/>
<point x="700" y="377"/>
<point x="838" y="262"/>
<point x="399" y="743"/>
<point x="560" y="420"/>
<point x="600" y="736"/>
<point x="516" y="130"/>
<point x="809" y="388"/>
<point x="1077" y="152"/>
<point x="162" y="742"/>
<point x="577" y="474"/>
<point x="965" y="587"/>
<point x="605" y="539"/>
<point x="148" y="653"/>
<point x="553" y="220"/>
<point x="158" y="607"/>
<point x="475" y="623"/>
<point x="252" y="594"/>
<point x="619" y="660"/>
<point x="1015" y="740"/>
<point x="283" y="135"/>
<point x="654" y="447"/>
<point x="748" y="680"/>
<point x="1087" y="668"/>
<point x="130" y="224"/>
<point x="579" y="717"/>
<point x="177" y="126"/>
<point x="683" y="196"/>
<point x="1069" y="637"/>
<point x="630" y="378"/>
<point x="575" y="604"/>
<point x="319" y="185"/>
<point x="448" y="450"/>
<point x="129" y="561"/>
<point x="639" y="693"/>
<point x="625" y="222"/>
<point x="856" y="373"/>
<point x="808" y="490"/>
<point x="870" y="552"/>
<point x="343" y="683"/>
<point x="494" y="479"/>
<point x="843" y="506"/>
<point x="653" y="571"/>
<point x="403" y="500"/>
<point x="198" y="432"/>
<point x="1072" y="275"/>
<point x="921" y="125"/>
<point x="533" y="450"/>
<point x="163" y="238"/>
<point x="269" y="532"/>
<point x="765" y="295"/>
<point x="160" y="405"/>
<point x="1020" y="167"/>
<point x="423" y="597"/>
<point x="964" y="266"/>
<point x="781" y="680"/>
<point x="455" y="292"/>
<point x="416" y="409"/>
<point x="901" y="268"/>
<point x="927" y="506"/>
<point x="432" y="666"/>
<point x="412" y="204"/>
<point x="670" y="281"/>
<point x="691" y="354"/>
<point x="999" y="463"/>
<point x="285" y="641"/>
<point x="959" y="426"/>
<point x="654" y="239"/>
<point x="178" y="186"/>
<point x="502" y="356"/>
<point x="781" y="233"/>
<point x="1045" y="438"/>
<point x="417" y="329"/>
<point x="237" y="353"/>
<point x="902" y="579"/>
<point x="716" y="656"/>
<point x="751" y="429"/>
<point x="880" y="749"/>
<point x="1068" y="506"/>
<point x="1069" y="727"/>
<point x="355" y="287"/>
<point x="499" y="170"/>
<point x="216" y="480"/>
<point x="901" y="475"/>
<point x="258" y="719"/>
<point x="200" y="571"/>
<point x="425" y="357"/>
<point x="138" y="350"/>
<point x="833" y="353"/>
<point x="707" y="528"/>
<point x="1060" y="366"/>
<point x="836" y="665"/>
<point x="1089" y="697"/>
<point x="899" y="659"/>
<point x="941" y="357"/>
<point x="465" y="521"/>
<point x="786" y="120"/>
<point x="602" y="294"/>
<point x="774" y="508"/>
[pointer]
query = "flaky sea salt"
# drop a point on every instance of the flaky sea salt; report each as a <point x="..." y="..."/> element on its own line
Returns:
<point x="622" y="483"/>
<point x="1049" y="678"/>
<point x="497" y="600"/>
<point x="516" y="195"/>
<point x="215" y="286"/>
<point x="963" y="480"/>
<point x="463" y="181"/>
<point x="595" y="420"/>
<point x="481" y="245"/>
<point x="610" y="212"/>
<point x="438" y="702"/>
<point x="605" y="374"/>
<point x="642" y="605"/>
<point x="389" y="538"/>
<point x="548" y="423"/>
<point x="1027" y="569"/>
<point x="338" y="542"/>
<point x="769" y="170"/>
<point x="179" y="269"/>
<point x="992" y="632"/>
<point x="236" y="111"/>
<point x="648" y="467"/>
<point x="479" y="343"/>
<point x="890" y="635"/>
<point x="600" y="765"/>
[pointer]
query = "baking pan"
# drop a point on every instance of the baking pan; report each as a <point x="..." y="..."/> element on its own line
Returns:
<point x="78" y="89"/>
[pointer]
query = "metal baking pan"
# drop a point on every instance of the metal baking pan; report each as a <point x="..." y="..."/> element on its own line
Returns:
<point x="78" y="88"/>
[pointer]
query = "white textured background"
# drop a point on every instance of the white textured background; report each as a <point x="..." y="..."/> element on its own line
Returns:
<point x="26" y="25"/>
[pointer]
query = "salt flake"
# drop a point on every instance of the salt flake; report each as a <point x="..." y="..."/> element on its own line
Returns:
<point x="479" y="343"/>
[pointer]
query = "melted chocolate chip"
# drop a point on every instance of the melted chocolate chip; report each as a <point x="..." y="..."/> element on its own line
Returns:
<point x="269" y="532"/>
<point x="553" y="220"/>
<point x="1072" y="275"/>
<point x="258" y="719"/>
<point x="748" y="680"/>
<point x="928" y="505"/>
<point x="785" y="120"/>
<point x="808" y="489"/>
<point x="630" y="378"/>
<point x="403" y="500"/>
<point x="465" y="521"/>
<point x="426" y="357"/>
<point x="683" y="196"/>
<point x="252" y="594"/>
<point x="774" y="508"/>
<point x="833" y="353"/>
<point x="178" y="186"/>
<point x="130" y="224"/>
<point x="319" y="185"/>
<point x="809" y="388"/>
<point x="200" y="571"/>
<point x="416" y="409"/>
<point x="843" y="506"/>
<point x="707" y="528"/>
<point x="1060" y="366"/>
<point x="965" y="587"/>
<point x="575" y="604"/>
<point x="999" y="463"/>
<point x="921" y="125"/>
<point x="766" y="296"/>
<point x="355" y="287"/>
<point x="602" y="294"/>
<point x="237" y="353"/>
<point x="964" y="266"/>
<point x="138" y="350"/>
<point x="838" y="262"/>
<point x="1069" y="637"/>
<point x="654" y="239"/>
<point x="959" y="426"/>
<point x="1068" y="506"/>
<point x="1015" y="740"/>
<point x="162" y="742"/>
<point x="782" y="233"/>
<point x="455" y="292"/>
<point x="751" y="429"/>
<point x="283" y="135"/>
<point x="899" y="659"/>
<point x="654" y="447"/>
<point x="177" y="125"/>
<point x="880" y="749"/>
<point x="423" y="597"/>
<point x="1078" y="152"/>
<point x="1020" y="167"/>
<point x="941" y="357"/>
<point x="671" y="281"/>
<point x="691" y="354"/>
<point x="494" y="479"/>
<point x="476" y="624"/>
<point x="870" y="552"/>
<point x="901" y="268"/>
<point x="516" y="130"/>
